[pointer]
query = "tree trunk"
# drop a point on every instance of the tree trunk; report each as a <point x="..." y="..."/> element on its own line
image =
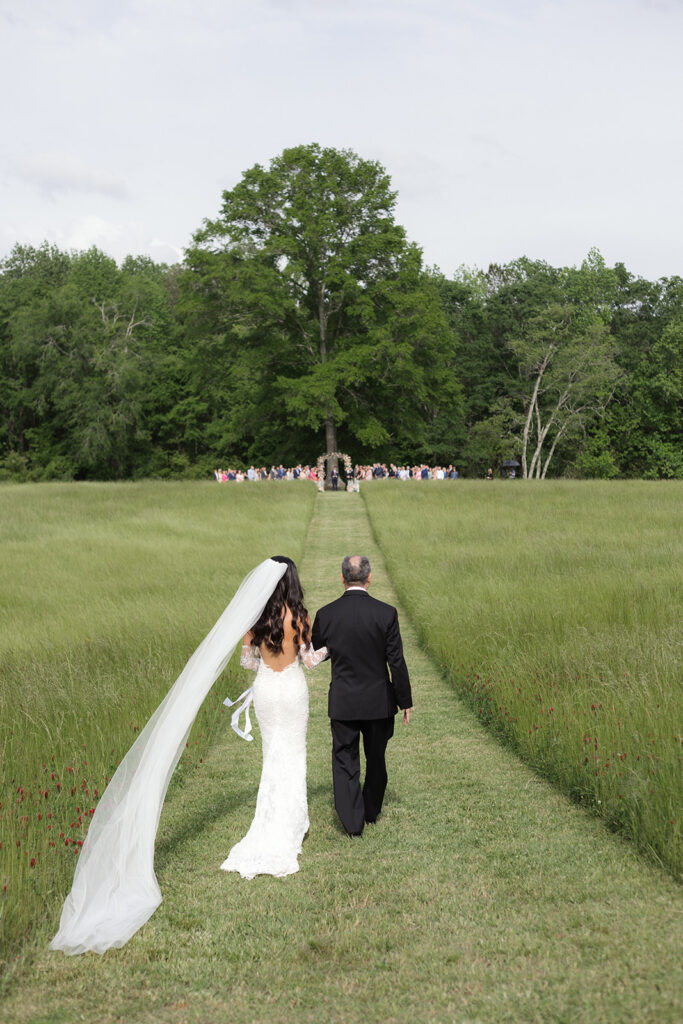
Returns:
<point x="525" y="441"/>
<point x="330" y="446"/>
<point x="331" y="437"/>
<point x="552" y="450"/>
<point x="536" y="461"/>
<point x="532" y="406"/>
<point x="540" y="437"/>
<point x="330" y="425"/>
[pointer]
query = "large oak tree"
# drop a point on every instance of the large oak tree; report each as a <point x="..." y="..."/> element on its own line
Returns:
<point x="311" y="285"/>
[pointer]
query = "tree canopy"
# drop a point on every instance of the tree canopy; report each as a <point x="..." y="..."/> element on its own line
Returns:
<point x="303" y="319"/>
<point x="322" y="306"/>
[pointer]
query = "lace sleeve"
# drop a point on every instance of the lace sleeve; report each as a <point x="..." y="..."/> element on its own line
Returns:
<point x="311" y="657"/>
<point x="250" y="657"/>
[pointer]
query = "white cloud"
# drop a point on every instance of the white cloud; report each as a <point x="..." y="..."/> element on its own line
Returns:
<point x="163" y="252"/>
<point x="508" y="126"/>
<point x="89" y="231"/>
<point x="57" y="173"/>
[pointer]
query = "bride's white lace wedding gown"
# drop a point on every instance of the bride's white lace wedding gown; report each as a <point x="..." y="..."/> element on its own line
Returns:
<point x="273" y="843"/>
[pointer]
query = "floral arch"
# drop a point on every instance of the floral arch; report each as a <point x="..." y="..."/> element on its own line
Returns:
<point x="351" y="483"/>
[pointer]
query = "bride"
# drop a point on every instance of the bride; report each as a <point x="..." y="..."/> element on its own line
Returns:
<point x="115" y="889"/>
<point x="275" y="648"/>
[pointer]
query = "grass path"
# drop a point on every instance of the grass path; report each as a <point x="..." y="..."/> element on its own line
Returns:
<point x="480" y="895"/>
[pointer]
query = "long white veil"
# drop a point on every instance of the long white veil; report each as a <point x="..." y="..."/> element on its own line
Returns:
<point x="115" y="889"/>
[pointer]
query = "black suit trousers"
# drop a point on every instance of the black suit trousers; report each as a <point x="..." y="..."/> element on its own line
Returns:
<point x="353" y="805"/>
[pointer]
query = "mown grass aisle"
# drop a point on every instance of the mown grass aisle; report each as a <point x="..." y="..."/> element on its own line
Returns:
<point x="480" y="895"/>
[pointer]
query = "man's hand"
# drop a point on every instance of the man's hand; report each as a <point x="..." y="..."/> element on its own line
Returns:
<point x="406" y="716"/>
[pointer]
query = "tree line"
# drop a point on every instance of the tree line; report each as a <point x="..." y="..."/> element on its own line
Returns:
<point x="302" y="319"/>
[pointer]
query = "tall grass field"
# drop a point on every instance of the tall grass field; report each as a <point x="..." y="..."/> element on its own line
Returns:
<point x="555" y="610"/>
<point x="481" y="893"/>
<point x="105" y="591"/>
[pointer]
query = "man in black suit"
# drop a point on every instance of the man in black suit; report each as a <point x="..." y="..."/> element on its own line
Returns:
<point x="363" y="638"/>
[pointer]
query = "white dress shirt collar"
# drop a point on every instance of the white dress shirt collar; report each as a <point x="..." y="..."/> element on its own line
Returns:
<point x="364" y="589"/>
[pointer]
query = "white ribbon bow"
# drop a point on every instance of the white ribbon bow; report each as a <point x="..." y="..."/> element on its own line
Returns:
<point x="247" y="698"/>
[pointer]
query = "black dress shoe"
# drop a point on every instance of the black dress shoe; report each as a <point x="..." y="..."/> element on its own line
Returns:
<point x="355" y="835"/>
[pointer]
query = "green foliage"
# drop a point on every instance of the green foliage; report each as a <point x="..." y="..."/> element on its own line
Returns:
<point x="320" y="311"/>
<point x="303" y="319"/>
<point x="79" y="339"/>
<point x="539" y="363"/>
<point x="645" y="420"/>
<point x="596" y="460"/>
<point x="615" y="340"/>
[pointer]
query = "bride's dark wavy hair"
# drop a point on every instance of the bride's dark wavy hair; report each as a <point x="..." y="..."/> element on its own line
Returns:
<point x="269" y="629"/>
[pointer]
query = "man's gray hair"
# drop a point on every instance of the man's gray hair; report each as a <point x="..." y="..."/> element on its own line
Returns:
<point x="356" y="569"/>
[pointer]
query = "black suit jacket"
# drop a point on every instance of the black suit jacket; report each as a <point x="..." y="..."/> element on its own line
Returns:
<point x="363" y="638"/>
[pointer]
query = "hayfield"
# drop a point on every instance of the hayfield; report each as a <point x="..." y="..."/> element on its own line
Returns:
<point x="105" y="591"/>
<point x="555" y="610"/>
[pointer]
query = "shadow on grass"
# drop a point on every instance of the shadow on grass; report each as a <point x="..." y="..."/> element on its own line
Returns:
<point x="203" y="814"/>
<point x="323" y="797"/>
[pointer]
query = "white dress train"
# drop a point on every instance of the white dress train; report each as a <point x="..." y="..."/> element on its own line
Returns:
<point x="115" y="889"/>
<point x="273" y="843"/>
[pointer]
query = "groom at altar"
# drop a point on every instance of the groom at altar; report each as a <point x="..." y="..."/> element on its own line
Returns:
<point x="364" y="642"/>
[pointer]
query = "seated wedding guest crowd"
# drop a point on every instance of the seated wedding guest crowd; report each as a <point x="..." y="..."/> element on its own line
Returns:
<point x="378" y="471"/>
<point x="261" y="473"/>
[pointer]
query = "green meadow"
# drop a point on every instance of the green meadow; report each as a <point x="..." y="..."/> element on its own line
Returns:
<point x="485" y="892"/>
<point x="105" y="590"/>
<point x="555" y="610"/>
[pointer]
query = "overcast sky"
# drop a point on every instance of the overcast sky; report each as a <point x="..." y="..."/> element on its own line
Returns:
<point x="509" y="127"/>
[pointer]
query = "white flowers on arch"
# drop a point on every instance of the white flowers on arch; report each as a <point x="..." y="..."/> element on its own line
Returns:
<point x="351" y="483"/>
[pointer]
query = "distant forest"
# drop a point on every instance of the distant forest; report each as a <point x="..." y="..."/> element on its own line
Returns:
<point x="302" y="320"/>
